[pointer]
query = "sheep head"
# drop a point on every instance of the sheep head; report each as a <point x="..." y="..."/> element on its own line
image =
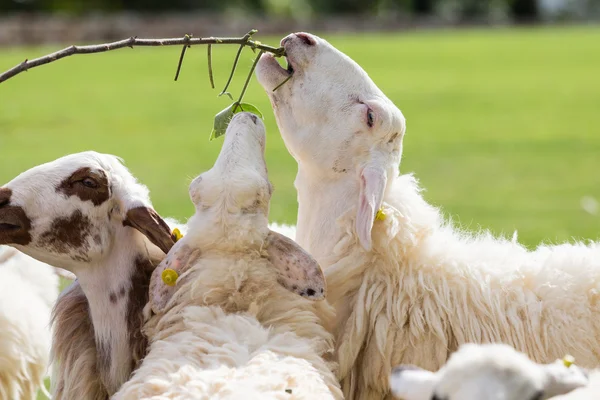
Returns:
<point x="486" y="371"/>
<point x="65" y="212"/>
<point x="232" y="205"/>
<point x="335" y="121"/>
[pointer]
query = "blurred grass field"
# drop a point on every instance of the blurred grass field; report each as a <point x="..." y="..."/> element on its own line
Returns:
<point x="503" y="125"/>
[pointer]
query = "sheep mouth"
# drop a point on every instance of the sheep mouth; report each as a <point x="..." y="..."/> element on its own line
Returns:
<point x="4" y="227"/>
<point x="290" y="67"/>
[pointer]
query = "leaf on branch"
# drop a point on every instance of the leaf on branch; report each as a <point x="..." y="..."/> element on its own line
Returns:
<point x="223" y="118"/>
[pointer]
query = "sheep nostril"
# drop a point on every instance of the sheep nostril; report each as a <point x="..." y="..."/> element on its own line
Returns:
<point x="5" y="196"/>
<point x="306" y="38"/>
<point x="253" y="118"/>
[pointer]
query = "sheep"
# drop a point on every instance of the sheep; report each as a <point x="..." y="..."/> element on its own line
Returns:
<point x="87" y="214"/>
<point x="491" y="371"/>
<point x="28" y="289"/>
<point x="243" y="319"/>
<point x="407" y="286"/>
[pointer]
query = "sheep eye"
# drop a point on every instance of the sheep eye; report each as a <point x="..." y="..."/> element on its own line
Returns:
<point x="89" y="183"/>
<point x="370" y="118"/>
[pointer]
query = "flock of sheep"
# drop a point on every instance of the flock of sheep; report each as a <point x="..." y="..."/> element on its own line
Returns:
<point x="371" y="296"/>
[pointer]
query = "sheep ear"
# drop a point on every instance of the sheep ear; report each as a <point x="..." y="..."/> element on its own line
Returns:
<point x="298" y="271"/>
<point x="147" y="221"/>
<point x="179" y="259"/>
<point x="412" y="383"/>
<point x="372" y="186"/>
<point x="562" y="379"/>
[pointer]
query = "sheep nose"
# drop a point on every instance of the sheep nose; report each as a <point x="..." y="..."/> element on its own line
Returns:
<point x="5" y="194"/>
<point x="307" y="38"/>
<point x="253" y="118"/>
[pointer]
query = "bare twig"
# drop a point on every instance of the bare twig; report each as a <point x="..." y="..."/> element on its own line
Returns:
<point x="239" y="102"/>
<point x="235" y="63"/>
<point x="131" y="42"/>
<point x="210" y="72"/>
<point x="185" y="47"/>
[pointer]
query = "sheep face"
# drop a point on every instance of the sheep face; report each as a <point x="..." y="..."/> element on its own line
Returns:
<point x="330" y="112"/>
<point x="232" y="205"/>
<point x="236" y="191"/>
<point x="487" y="371"/>
<point x="334" y="120"/>
<point x="66" y="212"/>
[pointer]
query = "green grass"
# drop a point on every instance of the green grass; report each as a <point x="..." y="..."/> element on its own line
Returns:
<point x="503" y="125"/>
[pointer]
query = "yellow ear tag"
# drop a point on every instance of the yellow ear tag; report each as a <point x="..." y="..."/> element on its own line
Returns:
<point x="169" y="276"/>
<point x="380" y="215"/>
<point x="568" y="361"/>
<point x="177" y="234"/>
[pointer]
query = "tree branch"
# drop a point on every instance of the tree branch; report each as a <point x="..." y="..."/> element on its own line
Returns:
<point x="134" y="41"/>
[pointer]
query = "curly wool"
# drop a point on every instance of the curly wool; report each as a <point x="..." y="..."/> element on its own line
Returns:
<point x="232" y="320"/>
<point x="426" y="288"/>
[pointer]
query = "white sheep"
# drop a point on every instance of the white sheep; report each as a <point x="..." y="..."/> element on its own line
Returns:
<point x="408" y="287"/>
<point x="28" y="289"/>
<point x="87" y="214"/>
<point x="491" y="371"/>
<point x="239" y="322"/>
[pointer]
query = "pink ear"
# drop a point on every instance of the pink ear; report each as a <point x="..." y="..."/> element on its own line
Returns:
<point x="297" y="270"/>
<point x="372" y="186"/>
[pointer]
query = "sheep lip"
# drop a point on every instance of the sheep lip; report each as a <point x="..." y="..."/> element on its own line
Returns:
<point x="5" y="227"/>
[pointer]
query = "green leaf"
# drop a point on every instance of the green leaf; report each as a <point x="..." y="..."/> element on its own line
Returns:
<point x="249" y="108"/>
<point x="222" y="121"/>
<point x="223" y="118"/>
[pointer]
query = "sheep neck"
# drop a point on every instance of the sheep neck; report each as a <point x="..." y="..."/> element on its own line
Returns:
<point x="108" y="287"/>
<point x="320" y="203"/>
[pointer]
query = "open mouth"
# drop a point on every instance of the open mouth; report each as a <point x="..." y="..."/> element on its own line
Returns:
<point x="290" y="68"/>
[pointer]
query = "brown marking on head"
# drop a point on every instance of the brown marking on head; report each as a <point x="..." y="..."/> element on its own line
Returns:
<point x="86" y="184"/>
<point x="15" y="226"/>
<point x="69" y="235"/>
<point x="137" y="299"/>
<point x="74" y="348"/>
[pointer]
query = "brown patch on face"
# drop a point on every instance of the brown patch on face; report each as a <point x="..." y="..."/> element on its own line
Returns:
<point x="137" y="299"/>
<point x="69" y="235"/>
<point x="86" y="185"/>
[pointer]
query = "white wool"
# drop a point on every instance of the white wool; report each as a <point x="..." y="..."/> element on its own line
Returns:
<point x="409" y="289"/>
<point x="492" y="371"/>
<point x="232" y="327"/>
<point x="427" y="288"/>
<point x="28" y="289"/>
<point x="228" y="356"/>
